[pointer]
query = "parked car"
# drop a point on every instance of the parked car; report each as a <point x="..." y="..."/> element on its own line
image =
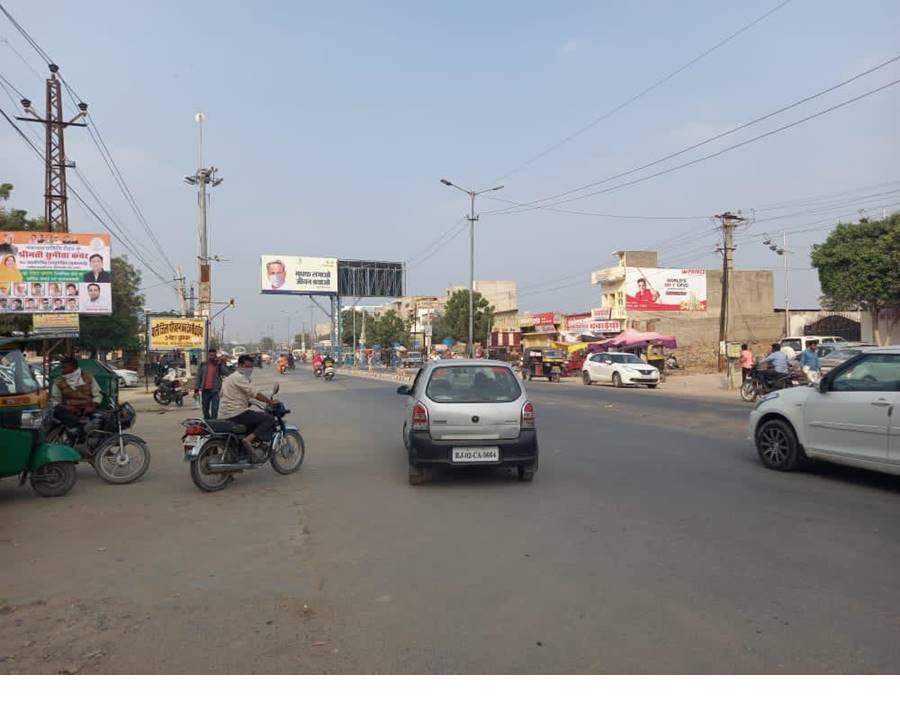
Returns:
<point x="798" y="344"/>
<point x="468" y="412"/>
<point x="850" y="417"/>
<point x="127" y="377"/>
<point x="619" y="369"/>
<point x="412" y="360"/>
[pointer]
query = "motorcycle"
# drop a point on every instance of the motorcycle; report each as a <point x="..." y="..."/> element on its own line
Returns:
<point x="329" y="373"/>
<point x="758" y="383"/>
<point x="215" y="452"/>
<point x="117" y="457"/>
<point x="168" y="391"/>
<point x="317" y="370"/>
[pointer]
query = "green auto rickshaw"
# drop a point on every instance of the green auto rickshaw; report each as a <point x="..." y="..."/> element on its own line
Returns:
<point x="23" y="411"/>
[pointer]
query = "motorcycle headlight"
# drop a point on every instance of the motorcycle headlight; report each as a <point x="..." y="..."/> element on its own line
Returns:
<point x="33" y="419"/>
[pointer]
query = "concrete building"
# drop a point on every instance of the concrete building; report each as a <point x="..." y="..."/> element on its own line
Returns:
<point x="503" y="296"/>
<point x="692" y="319"/>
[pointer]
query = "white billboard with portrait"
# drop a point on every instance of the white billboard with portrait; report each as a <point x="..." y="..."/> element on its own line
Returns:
<point x="305" y="275"/>
<point x="665" y="289"/>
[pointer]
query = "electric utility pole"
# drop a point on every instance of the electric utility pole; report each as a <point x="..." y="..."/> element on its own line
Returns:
<point x="729" y="221"/>
<point x="56" y="213"/>
<point x="203" y="178"/>
<point x="470" y="347"/>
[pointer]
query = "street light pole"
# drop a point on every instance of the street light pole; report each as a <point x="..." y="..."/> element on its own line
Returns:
<point x="470" y="346"/>
<point x="783" y="251"/>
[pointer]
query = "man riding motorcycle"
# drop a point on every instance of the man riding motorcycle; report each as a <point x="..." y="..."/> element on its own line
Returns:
<point x="777" y="367"/>
<point x="237" y="392"/>
<point x="74" y="395"/>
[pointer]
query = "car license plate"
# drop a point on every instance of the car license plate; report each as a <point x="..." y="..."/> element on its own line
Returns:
<point x="475" y="454"/>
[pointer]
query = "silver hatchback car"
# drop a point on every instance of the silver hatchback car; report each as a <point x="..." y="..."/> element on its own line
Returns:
<point x="468" y="413"/>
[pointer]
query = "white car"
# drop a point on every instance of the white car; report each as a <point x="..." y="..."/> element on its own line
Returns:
<point x="127" y="377"/>
<point x="851" y="417"/>
<point x="619" y="369"/>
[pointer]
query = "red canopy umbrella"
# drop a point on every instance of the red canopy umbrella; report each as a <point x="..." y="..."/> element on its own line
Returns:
<point x="629" y="338"/>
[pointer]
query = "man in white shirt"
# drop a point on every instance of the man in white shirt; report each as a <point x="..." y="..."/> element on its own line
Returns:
<point x="234" y="405"/>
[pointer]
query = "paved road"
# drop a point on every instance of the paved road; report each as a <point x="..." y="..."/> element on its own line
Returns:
<point x="650" y="541"/>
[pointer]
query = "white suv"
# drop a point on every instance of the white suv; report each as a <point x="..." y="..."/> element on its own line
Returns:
<point x="851" y="417"/>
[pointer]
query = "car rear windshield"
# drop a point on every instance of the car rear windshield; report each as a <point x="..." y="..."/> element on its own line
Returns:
<point x="472" y="385"/>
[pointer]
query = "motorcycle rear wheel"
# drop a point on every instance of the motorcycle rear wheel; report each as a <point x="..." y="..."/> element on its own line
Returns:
<point x="206" y="480"/>
<point x="123" y="465"/>
<point x="162" y="397"/>
<point x="290" y="455"/>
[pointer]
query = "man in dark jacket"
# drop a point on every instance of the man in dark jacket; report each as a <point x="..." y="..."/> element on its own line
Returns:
<point x="208" y="384"/>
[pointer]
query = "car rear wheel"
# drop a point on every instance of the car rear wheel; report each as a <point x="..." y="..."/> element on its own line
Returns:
<point x="585" y="378"/>
<point x="526" y="472"/>
<point x="777" y="445"/>
<point x="420" y="475"/>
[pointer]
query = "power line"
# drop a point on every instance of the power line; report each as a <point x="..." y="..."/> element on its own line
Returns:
<point x="645" y="91"/>
<point x="84" y="203"/>
<point x="717" y="153"/>
<point x="542" y="202"/>
<point x="590" y="213"/>
<point x="437" y="242"/>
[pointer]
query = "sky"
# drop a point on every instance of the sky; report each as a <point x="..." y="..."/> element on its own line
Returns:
<point x="332" y="123"/>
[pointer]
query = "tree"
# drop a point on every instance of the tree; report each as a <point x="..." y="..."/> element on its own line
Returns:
<point x="301" y="338"/>
<point x="122" y="329"/>
<point x="347" y="325"/>
<point x="387" y="328"/>
<point x="859" y="266"/>
<point x="14" y="219"/>
<point x="266" y="343"/>
<point x="454" y="321"/>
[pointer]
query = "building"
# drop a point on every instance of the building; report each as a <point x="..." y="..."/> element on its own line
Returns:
<point x="503" y="296"/>
<point x="686" y="303"/>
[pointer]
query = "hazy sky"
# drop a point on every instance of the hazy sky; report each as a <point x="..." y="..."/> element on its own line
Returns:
<point x="331" y="124"/>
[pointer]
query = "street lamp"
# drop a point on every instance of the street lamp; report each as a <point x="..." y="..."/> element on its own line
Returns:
<point x="782" y="250"/>
<point x="470" y="347"/>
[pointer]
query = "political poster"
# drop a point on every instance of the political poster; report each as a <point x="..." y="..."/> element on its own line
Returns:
<point x="305" y="275"/>
<point x="52" y="273"/>
<point x="665" y="289"/>
<point x="174" y="333"/>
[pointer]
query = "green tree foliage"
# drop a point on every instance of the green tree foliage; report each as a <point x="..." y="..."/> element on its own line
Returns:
<point x="299" y="338"/>
<point x="387" y="328"/>
<point x="266" y="343"/>
<point x="122" y="329"/>
<point x="859" y="266"/>
<point x="454" y="321"/>
<point x="14" y="219"/>
<point x="347" y="325"/>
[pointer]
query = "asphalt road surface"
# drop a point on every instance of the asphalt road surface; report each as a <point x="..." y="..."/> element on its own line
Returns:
<point x="651" y="540"/>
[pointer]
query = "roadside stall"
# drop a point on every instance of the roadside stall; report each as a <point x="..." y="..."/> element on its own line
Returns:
<point x="652" y="345"/>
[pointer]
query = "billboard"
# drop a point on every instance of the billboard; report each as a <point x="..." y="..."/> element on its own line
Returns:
<point x="665" y="289"/>
<point x="172" y="333"/>
<point x="56" y="325"/>
<point x="370" y="279"/>
<point x="43" y="272"/>
<point x="306" y="275"/>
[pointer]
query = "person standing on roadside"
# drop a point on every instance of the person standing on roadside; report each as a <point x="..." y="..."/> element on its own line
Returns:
<point x="809" y="361"/>
<point x="746" y="361"/>
<point x="208" y="384"/>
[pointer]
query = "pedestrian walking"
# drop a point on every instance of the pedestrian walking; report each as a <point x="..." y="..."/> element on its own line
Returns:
<point x="746" y="362"/>
<point x="208" y="384"/>
<point x="809" y="361"/>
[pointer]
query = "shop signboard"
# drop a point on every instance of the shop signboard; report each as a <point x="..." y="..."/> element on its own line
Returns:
<point x="173" y="333"/>
<point x="54" y="273"/>
<point x="55" y="325"/>
<point x="594" y="326"/>
<point x="665" y="289"/>
<point x="304" y="275"/>
<point x="601" y="313"/>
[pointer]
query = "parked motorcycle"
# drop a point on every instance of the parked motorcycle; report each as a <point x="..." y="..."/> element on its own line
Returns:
<point x="759" y="383"/>
<point x="117" y="457"/>
<point x="168" y="391"/>
<point x="215" y="452"/>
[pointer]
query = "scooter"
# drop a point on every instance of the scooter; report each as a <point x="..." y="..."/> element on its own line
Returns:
<point x="329" y="373"/>
<point x="317" y="370"/>
<point x="215" y="452"/>
<point x="117" y="457"/>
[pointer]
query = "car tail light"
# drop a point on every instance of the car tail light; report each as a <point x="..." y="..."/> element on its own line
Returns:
<point x="528" y="421"/>
<point x="420" y="417"/>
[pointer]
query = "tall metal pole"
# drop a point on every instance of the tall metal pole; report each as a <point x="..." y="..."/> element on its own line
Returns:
<point x="787" y="285"/>
<point x="470" y="349"/>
